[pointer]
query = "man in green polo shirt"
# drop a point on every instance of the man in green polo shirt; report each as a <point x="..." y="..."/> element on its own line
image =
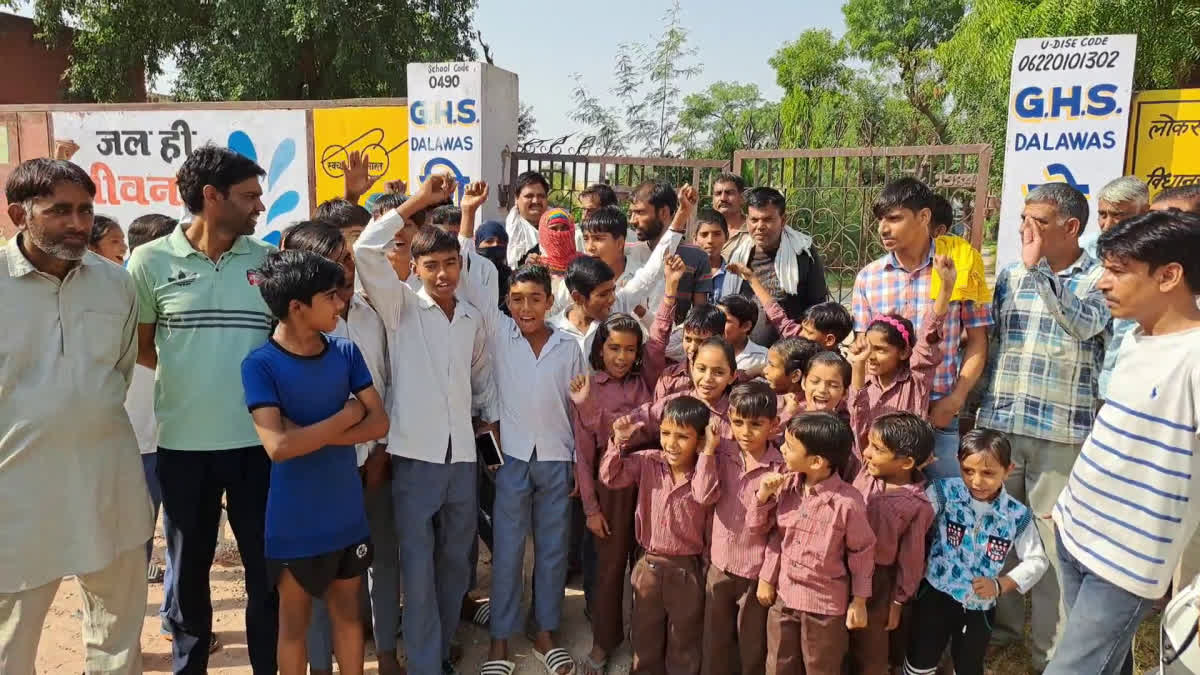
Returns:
<point x="199" y="314"/>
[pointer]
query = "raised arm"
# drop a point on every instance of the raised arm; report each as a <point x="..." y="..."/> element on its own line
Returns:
<point x="474" y="197"/>
<point x="384" y="285"/>
<point x="654" y="357"/>
<point x="1083" y="318"/>
<point x="619" y="470"/>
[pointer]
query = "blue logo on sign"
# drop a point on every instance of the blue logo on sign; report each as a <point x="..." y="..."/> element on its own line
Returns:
<point x="1058" y="173"/>
<point x="437" y="162"/>
<point x="1034" y="103"/>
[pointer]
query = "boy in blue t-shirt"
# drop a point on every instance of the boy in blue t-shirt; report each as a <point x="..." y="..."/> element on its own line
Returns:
<point x="311" y="398"/>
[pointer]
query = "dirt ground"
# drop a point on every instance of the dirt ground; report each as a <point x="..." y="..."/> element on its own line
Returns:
<point x="61" y="648"/>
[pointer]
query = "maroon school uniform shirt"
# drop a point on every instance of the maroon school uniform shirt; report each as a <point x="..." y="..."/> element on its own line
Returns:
<point x="670" y="516"/>
<point x="900" y="518"/>
<point x="740" y="525"/>
<point x="822" y="550"/>
<point x="909" y="390"/>
<point x="608" y="399"/>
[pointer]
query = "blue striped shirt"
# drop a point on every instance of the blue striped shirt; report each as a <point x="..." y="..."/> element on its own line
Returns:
<point x="1129" y="508"/>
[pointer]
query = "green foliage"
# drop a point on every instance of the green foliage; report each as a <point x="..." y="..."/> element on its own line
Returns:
<point x="978" y="57"/>
<point x="728" y="116"/>
<point x="900" y="37"/>
<point x="257" y="49"/>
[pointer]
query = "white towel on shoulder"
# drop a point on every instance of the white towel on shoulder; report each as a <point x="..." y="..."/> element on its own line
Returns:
<point x="792" y="244"/>
<point x="522" y="237"/>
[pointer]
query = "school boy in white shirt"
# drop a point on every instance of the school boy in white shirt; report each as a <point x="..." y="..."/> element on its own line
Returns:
<point x="533" y="366"/>
<point x="441" y="371"/>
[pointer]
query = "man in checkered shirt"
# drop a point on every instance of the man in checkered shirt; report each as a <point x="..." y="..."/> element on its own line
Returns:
<point x="1042" y="381"/>
<point x="900" y="283"/>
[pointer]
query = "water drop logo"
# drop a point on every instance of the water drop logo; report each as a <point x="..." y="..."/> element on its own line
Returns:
<point x="279" y="202"/>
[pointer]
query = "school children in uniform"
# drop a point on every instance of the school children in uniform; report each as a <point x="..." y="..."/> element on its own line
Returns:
<point x="702" y="322"/>
<point x="899" y="513"/>
<point x="677" y="485"/>
<point x="816" y="575"/>
<point x="740" y="317"/>
<point x="441" y="371"/>
<point x="827" y="323"/>
<point x="620" y="383"/>
<point x="976" y="525"/>
<point x="312" y="399"/>
<point x="735" y="624"/>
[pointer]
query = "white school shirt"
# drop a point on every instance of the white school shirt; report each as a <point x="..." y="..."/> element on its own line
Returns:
<point x="139" y="405"/>
<point x="364" y="328"/>
<point x="532" y="392"/>
<point x="441" y="368"/>
<point x="752" y="356"/>
<point x="643" y="272"/>
<point x="1130" y="505"/>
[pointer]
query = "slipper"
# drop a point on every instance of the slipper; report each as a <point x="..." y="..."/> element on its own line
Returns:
<point x="483" y="614"/>
<point x="591" y="667"/>
<point x="499" y="667"/>
<point x="554" y="659"/>
<point x="154" y="573"/>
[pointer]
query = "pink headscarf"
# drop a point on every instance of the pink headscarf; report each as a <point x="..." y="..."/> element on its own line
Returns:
<point x="558" y="246"/>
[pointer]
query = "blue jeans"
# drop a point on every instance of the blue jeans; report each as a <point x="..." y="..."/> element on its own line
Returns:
<point x="945" y="449"/>
<point x="530" y="496"/>
<point x="149" y="462"/>
<point x="1101" y="621"/>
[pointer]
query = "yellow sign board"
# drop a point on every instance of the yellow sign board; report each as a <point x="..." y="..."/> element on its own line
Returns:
<point x="1164" y="138"/>
<point x="380" y="133"/>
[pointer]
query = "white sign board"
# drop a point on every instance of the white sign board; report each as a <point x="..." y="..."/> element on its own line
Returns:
<point x="461" y="117"/>
<point x="133" y="157"/>
<point x="1068" y="118"/>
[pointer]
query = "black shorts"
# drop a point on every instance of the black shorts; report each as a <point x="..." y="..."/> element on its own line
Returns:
<point x="315" y="573"/>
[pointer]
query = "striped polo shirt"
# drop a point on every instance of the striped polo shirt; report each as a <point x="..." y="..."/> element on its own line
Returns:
<point x="207" y="318"/>
<point x="1131" y="503"/>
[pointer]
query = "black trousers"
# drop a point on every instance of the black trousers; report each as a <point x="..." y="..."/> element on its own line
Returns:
<point x="939" y="619"/>
<point x="192" y="483"/>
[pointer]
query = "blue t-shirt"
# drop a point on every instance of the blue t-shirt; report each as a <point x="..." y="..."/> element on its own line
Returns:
<point x="315" y="504"/>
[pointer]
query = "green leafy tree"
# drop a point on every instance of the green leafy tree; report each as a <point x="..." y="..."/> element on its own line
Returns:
<point x="978" y="57"/>
<point x="256" y="49"/>
<point x="728" y="116"/>
<point x="901" y="37"/>
<point x="526" y="122"/>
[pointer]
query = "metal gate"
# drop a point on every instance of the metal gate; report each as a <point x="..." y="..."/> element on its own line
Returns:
<point x="569" y="175"/>
<point x="830" y="192"/>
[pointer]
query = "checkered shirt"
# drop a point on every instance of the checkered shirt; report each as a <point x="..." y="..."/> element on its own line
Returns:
<point x="1047" y="351"/>
<point x="884" y="287"/>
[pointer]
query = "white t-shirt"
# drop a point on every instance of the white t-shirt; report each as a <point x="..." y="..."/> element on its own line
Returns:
<point x="1129" y="507"/>
<point x="139" y="404"/>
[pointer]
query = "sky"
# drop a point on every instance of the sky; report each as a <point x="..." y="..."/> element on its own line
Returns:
<point x="734" y="39"/>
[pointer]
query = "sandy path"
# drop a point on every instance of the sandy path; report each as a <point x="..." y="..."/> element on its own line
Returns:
<point x="61" y="648"/>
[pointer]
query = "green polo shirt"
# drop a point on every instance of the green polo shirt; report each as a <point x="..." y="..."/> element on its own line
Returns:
<point x="207" y="318"/>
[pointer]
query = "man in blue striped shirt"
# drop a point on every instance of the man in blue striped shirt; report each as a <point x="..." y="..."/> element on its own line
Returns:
<point x="1129" y="507"/>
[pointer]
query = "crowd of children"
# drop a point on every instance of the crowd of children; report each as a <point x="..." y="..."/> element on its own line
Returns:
<point x="767" y="504"/>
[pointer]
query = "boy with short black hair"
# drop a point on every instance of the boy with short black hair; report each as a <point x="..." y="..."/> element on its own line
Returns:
<point x="312" y="399"/>
<point x="345" y="215"/>
<point x="740" y="317"/>
<point x="900" y="514"/>
<point x="735" y="624"/>
<point x="448" y="217"/>
<point x="712" y="233"/>
<point x="821" y="554"/>
<point x="441" y="373"/>
<point x="677" y="486"/>
<point x="1139" y="465"/>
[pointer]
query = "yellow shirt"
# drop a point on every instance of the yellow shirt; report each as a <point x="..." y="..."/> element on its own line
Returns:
<point x="971" y="283"/>
<point x="72" y="493"/>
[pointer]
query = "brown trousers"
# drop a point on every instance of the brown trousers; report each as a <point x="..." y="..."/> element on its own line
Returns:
<point x="869" y="646"/>
<point x="802" y="643"/>
<point x="735" y="625"/>
<point x="668" y="615"/>
<point x="612" y="557"/>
